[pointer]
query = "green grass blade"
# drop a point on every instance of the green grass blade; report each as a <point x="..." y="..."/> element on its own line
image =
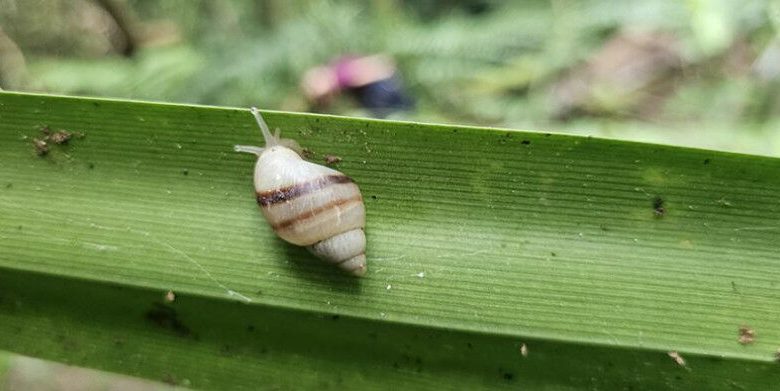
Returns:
<point x="479" y="240"/>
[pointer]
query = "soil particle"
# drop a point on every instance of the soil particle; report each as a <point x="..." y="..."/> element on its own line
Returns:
<point x="677" y="358"/>
<point x="746" y="335"/>
<point x="332" y="159"/>
<point x="658" y="207"/>
<point x="41" y="147"/>
<point x="170" y="297"/>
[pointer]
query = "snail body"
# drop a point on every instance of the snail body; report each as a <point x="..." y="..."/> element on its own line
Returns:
<point x="307" y="204"/>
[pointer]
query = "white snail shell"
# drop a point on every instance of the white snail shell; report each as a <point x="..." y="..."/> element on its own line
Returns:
<point x="308" y="204"/>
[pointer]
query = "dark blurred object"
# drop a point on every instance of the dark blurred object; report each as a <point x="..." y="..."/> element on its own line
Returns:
<point x="628" y="76"/>
<point x="372" y="80"/>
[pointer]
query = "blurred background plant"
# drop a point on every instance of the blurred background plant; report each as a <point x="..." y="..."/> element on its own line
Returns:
<point x="695" y="72"/>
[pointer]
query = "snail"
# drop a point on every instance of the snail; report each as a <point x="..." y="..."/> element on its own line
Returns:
<point x="307" y="204"/>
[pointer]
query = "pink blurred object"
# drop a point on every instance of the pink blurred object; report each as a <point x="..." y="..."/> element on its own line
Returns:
<point x="372" y="80"/>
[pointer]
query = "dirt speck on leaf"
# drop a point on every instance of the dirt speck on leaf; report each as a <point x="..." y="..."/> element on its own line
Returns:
<point x="724" y="202"/>
<point x="170" y="297"/>
<point x="332" y="159"/>
<point x="60" y="137"/>
<point x="506" y="375"/>
<point x="746" y="335"/>
<point x="307" y="153"/>
<point x="658" y="206"/>
<point x="677" y="358"/>
<point x="48" y="137"/>
<point x="41" y="147"/>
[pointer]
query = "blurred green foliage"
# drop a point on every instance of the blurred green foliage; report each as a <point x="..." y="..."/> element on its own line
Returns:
<point x="696" y="72"/>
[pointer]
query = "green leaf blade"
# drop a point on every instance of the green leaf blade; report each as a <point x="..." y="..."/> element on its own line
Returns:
<point x="510" y="235"/>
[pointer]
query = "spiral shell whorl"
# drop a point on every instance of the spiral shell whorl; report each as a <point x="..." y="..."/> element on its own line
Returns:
<point x="314" y="206"/>
<point x="306" y="203"/>
<point x="346" y="250"/>
<point x="309" y="205"/>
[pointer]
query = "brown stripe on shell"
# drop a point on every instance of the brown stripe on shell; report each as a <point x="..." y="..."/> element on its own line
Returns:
<point x="314" y="212"/>
<point x="283" y="194"/>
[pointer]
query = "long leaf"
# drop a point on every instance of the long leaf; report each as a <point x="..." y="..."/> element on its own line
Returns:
<point x="599" y="256"/>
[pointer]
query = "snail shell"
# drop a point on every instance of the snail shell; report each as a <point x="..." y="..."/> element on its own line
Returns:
<point x="308" y="204"/>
